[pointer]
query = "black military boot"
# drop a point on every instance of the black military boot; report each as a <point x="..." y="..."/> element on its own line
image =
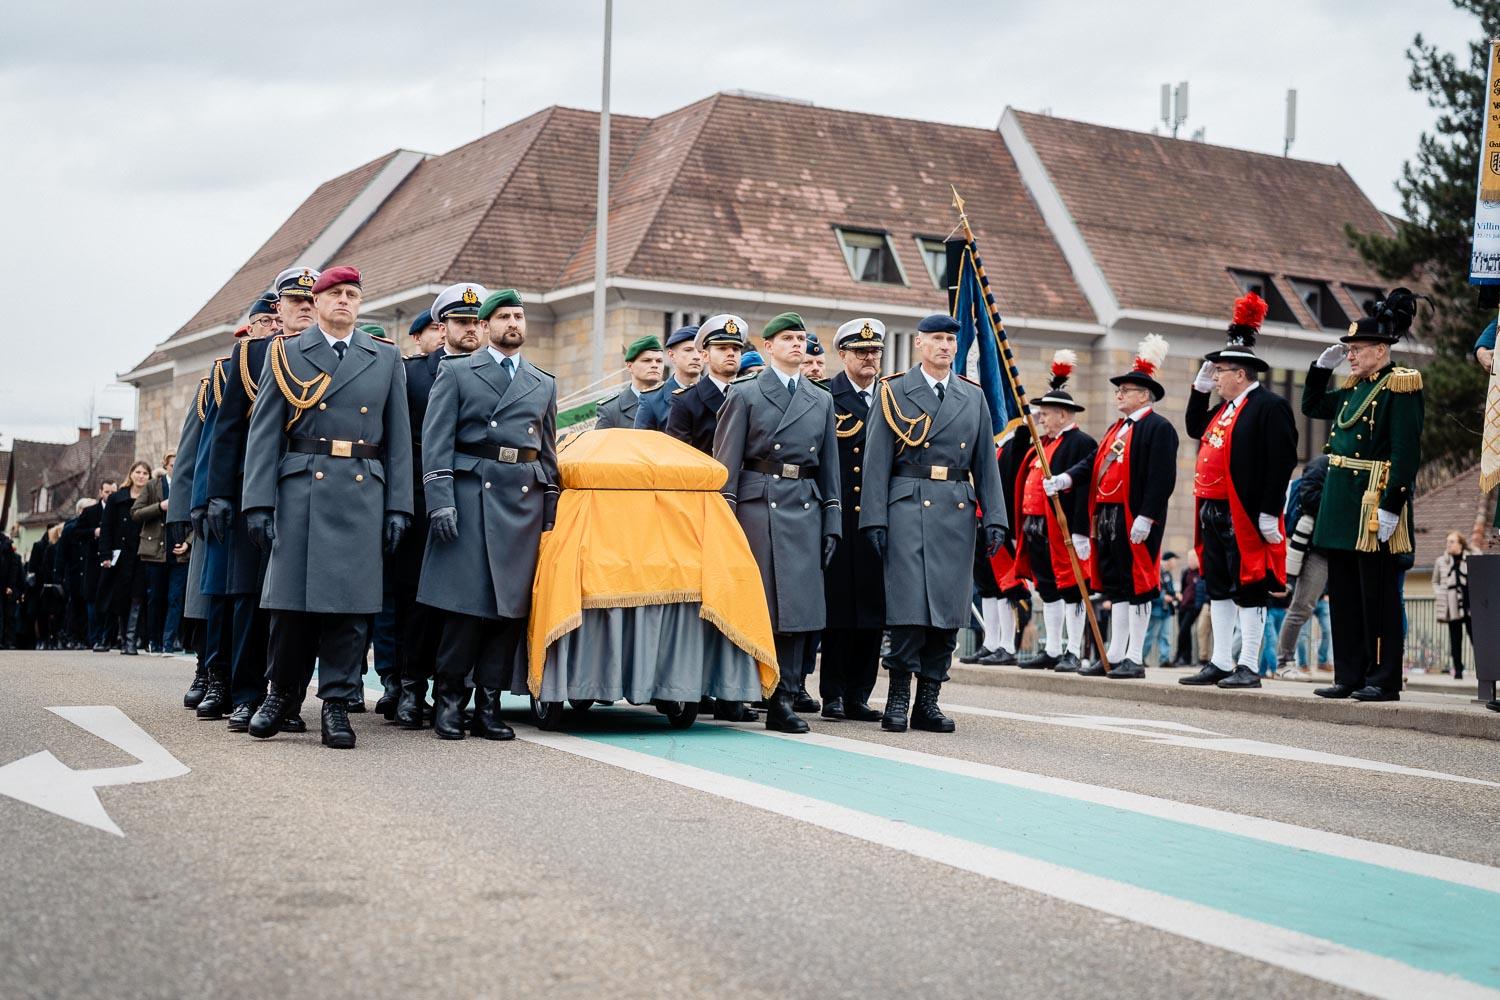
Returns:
<point x="409" y="703"/>
<point x="386" y="706"/>
<point x="132" y="624"/>
<point x="487" y="721"/>
<point x="239" y="719"/>
<point x="927" y="716"/>
<point x="897" y="702"/>
<point x="781" y="716"/>
<point x="294" y="722"/>
<point x="195" y="690"/>
<point x="269" y="718"/>
<point x="337" y="733"/>
<point x="215" y="700"/>
<point x="448" y="708"/>
<point x="803" y="701"/>
<point x="857" y="707"/>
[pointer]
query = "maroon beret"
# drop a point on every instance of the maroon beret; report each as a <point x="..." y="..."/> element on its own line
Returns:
<point x="336" y="276"/>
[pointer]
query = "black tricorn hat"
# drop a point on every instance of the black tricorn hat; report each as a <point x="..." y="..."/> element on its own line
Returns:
<point x="1063" y="363"/>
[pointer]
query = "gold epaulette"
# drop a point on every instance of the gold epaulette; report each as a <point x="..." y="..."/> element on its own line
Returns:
<point x="680" y="389"/>
<point x="1405" y="380"/>
<point x="659" y="385"/>
<point x="202" y="399"/>
<point x="220" y="379"/>
<point x="839" y="419"/>
<point x="310" y="391"/>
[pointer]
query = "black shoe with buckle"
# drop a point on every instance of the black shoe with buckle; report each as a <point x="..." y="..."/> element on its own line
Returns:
<point x="337" y="733"/>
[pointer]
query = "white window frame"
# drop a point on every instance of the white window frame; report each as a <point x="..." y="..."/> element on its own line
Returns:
<point x="890" y="248"/>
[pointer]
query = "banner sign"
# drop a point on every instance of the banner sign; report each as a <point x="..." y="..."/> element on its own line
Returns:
<point x="1484" y="258"/>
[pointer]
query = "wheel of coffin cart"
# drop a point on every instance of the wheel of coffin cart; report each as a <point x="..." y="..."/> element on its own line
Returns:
<point x="547" y="715"/>
<point x="680" y="714"/>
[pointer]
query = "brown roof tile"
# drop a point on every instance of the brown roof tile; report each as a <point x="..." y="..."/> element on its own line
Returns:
<point x="1166" y="218"/>
<point x="1457" y="505"/>
<point x="280" y="251"/>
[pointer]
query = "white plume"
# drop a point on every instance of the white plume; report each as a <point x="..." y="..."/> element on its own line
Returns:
<point x="1065" y="357"/>
<point x="1153" y="349"/>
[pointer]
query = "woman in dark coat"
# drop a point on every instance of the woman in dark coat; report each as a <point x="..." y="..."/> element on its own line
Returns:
<point x="119" y="532"/>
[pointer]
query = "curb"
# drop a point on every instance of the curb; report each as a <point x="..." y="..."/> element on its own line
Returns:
<point x="1466" y="720"/>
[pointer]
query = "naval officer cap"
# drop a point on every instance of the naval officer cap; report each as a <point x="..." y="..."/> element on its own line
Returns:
<point x="725" y="328"/>
<point x="938" y="323"/>
<point x="497" y="300"/>
<point x="861" y="332"/>
<point x="297" y="281"/>
<point x="423" y="321"/>
<point x="460" y="300"/>
<point x="681" y="334"/>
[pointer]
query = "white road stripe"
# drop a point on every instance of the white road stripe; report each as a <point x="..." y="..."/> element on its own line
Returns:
<point x="1300" y="953"/>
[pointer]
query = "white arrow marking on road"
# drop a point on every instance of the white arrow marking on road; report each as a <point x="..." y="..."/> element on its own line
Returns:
<point x="1178" y="735"/>
<point x="44" y="781"/>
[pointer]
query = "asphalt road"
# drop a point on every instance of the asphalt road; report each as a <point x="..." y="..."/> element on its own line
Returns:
<point x="1033" y="853"/>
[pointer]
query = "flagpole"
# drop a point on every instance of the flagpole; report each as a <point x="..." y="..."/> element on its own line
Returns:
<point x="1041" y="453"/>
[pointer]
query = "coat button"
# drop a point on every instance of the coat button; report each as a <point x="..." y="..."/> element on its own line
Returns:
<point x="926" y="503"/>
<point x="856" y="489"/>
<point x="856" y="449"/>
<point x="359" y="479"/>
<point x="776" y="447"/>
<point x="963" y="444"/>
<point x="322" y="406"/>
<point x="493" y="424"/>
<point x="960" y="506"/>
<point x="856" y="508"/>
<point x="775" y="476"/>
<point x="856" y="468"/>
<point x="926" y="444"/>
<point x="814" y="448"/>
<point x="530" y="431"/>
<point x="486" y="485"/>
<point x="317" y="475"/>
<point x="806" y="505"/>
<point x="364" y="409"/>
<point x="525" y="489"/>
<point x="773" y="504"/>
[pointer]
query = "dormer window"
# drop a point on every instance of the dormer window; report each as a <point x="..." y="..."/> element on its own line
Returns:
<point x="870" y="256"/>
<point x="1318" y="298"/>
<point x="1260" y="283"/>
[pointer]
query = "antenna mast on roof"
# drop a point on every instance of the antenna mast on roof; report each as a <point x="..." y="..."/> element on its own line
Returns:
<point x="1174" y="106"/>
<point x="1291" y="123"/>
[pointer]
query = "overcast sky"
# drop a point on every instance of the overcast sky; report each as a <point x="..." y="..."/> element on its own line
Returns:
<point x="147" y="149"/>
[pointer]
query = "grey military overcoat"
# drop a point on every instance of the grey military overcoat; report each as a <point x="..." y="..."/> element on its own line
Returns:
<point x="619" y="411"/>
<point x="502" y="506"/>
<point x="194" y="604"/>
<point x="330" y="511"/>
<point x="784" y="519"/>
<point x="929" y="563"/>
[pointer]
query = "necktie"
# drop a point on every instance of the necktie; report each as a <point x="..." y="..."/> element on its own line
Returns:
<point x="507" y="373"/>
<point x="939" y="387"/>
<point x="864" y="396"/>
<point x="791" y="387"/>
<point x="339" y="347"/>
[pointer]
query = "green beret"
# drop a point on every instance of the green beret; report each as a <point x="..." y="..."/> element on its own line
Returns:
<point x="504" y="297"/>
<point x="652" y="343"/>
<point x="373" y="330"/>
<point x="786" y="321"/>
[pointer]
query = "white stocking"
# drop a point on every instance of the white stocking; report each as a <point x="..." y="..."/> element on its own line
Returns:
<point x="990" y="606"/>
<point x="1222" y="614"/>
<point x="1252" y="635"/>
<point x="1119" y="631"/>
<point x="1052" y="618"/>
<point x="1140" y="617"/>
<point x="1076" y="625"/>
<point x="1006" y="628"/>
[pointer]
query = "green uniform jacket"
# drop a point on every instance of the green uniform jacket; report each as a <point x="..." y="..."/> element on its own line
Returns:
<point x="1388" y="429"/>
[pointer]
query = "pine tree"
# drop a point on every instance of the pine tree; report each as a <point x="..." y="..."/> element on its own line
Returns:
<point x="1431" y="247"/>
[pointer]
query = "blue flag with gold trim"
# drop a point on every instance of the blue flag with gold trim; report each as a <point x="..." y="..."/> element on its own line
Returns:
<point x="996" y="369"/>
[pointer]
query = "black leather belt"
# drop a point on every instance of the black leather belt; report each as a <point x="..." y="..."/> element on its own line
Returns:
<point x="497" y="454"/>
<point x="336" y="448"/>
<point x="906" y="470"/>
<point x="785" y="471"/>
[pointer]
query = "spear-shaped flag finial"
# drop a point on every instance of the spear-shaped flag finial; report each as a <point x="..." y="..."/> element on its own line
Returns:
<point x="958" y="202"/>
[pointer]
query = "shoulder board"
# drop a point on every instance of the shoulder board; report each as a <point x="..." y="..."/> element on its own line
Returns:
<point x="681" y="389"/>
<point x="970" y="380"/>
<point x="383" y="340"/>
<point x="606" y="402"/>
<point x="821" y="384"/>
<point x="746" y="378"/>
<point x="887" y="378"/>
<point x="654" y="388"/>
<point x="540" y="369"/>
<point x="1405" y="380"/>
<point x="287" y="336"/>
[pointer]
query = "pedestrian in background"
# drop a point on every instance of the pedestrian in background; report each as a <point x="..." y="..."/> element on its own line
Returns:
<point x="1188" y="607"/>
<point x="12" y="577"/>
<point x="1306" y="569"/>
<point x="1450" y="589"/>
<point x="1163" y="609"/>
<point x="119" y="537"/>
<point x="149" y="510"/>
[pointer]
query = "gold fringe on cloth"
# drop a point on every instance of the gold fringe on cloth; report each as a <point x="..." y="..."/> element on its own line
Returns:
<point x="640" y="522"/>
<point x="1367" y="538"/>
<point x="1489" y="454"/>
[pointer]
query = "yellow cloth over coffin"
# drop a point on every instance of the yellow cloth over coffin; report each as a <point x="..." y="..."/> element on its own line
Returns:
<point x="641" y="521"/>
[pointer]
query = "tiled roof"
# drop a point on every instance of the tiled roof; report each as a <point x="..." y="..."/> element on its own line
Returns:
<point x="1165" y="218"/>
<point x="745" y="192"/>
<point x="1457" y="505"/>
<point x="281" y="250"/>
<point x="28" y="463"/>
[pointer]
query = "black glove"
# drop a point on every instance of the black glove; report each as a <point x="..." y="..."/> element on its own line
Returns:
<point x="876" y="537"/>
<point x="176" y="534"/>
<point x="548" y="526"/>
<point x="260" y="524"/>
<point x="444" y="524"/>
<point x="218" y="519"/>
<point x="395" y="526"/>
<point x="830" y="545"/>
<point x="994" y="538"/>
<point x="195" y="518"/>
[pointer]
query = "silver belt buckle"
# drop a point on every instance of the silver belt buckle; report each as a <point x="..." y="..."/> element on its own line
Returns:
<point x="791" y="471"/>
<point x="940" y="472"/>
<point x="341" y="449"/>
<point x="509" y="454"/>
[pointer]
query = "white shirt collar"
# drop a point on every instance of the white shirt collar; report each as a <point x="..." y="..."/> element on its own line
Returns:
<point x="1138" y="414"/>
<point x="932" y="383"/>
<point x="515" y="359"/>
<point x="786" y="380"/>
<point x="1236" y="401"/>
<point x="336" y="340"/>
<point x="722" y="386"/>
<point x="1071" y="427"/>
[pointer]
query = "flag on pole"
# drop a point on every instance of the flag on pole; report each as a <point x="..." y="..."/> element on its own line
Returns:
<point x="979" y="323"/>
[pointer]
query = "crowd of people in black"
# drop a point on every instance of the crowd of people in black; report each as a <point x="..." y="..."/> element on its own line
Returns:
<point x="105" y="579"/>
